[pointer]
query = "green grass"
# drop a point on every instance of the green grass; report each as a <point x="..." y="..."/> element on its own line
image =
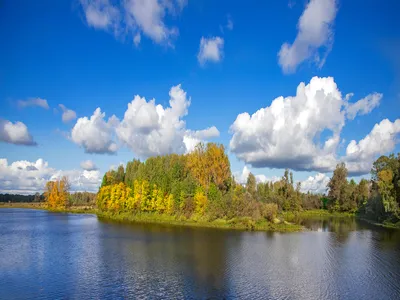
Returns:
<point x="42" y="205"/>
<point x="236" y="223"/>
<point x="31" y="205"/>
<point x="315" y="213"/>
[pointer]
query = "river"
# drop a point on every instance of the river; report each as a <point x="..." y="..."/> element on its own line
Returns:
<point x="47" y="255"/>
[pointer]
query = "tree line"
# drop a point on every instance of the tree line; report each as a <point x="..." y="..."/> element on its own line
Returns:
<point x="377" y="198"/>
<point x="198" y="185"/>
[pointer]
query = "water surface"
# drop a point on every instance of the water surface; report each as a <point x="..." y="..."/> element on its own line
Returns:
<point x="47" y="255"/>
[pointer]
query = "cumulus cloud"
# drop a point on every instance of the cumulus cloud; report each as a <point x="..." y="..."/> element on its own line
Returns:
<point x="15" y="133"/>
<point x="24" y="177"/>
<point x="287" y="134"/>
<point x="315" y="33"/>
<point x="192" y="138"/>
<point x="381" y="140"/>
<point x="241" y="177"/>
<point x="315" y="184"/>
<point x="88" y="165"/>
<point x="282" y="135"/>
<point x="68" y="114"/>
<point x="363" y="106"/>
<point x="147" y="128"/>
<point x="94" y="134"/>
<point x="134" y="17"/>
<point x="33" y="102"/>
<point x="150" y="129"/>
<point x="211" y="49"/>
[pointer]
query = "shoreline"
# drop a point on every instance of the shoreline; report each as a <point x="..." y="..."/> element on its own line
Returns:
<point x="246" y="224"/>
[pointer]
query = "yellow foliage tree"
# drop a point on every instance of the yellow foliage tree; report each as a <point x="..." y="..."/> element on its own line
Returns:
<point x="145" y="197"/>
<point x="57" y="193"/>
<point x="160" y="202"/>
<point x="209" y="164"/>
<point x="169" y="204"/>
<point x="200" y="201"/>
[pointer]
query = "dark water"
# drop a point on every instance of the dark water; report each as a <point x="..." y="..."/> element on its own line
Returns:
<point x="51" y="256"/>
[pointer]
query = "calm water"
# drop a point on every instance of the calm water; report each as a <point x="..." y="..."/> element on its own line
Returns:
<point x="51" y="256"/>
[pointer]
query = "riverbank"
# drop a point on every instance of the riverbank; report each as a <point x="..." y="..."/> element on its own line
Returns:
<point x="235" y="223"/>
<point x="315" y="213"/>
<point x="41" y="205"/>
<point x="286" y="221"/>
<point x="385" y="224"/>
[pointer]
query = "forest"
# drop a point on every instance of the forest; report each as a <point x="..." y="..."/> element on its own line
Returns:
<point x="200" y="186"/>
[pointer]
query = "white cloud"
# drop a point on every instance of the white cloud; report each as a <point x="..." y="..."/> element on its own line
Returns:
<point x="150" y="129"/>
<point x="88" y="165"/>
<point x="137" y="38"/>
<point x="33" y="102"/>
<point x="282" y="135"/>
<point x="381" y="140"/>
<point x="101" y="14"/>
<point x="134" y="17"/>
<point x="15" y="133"/>
<point x="363" y="106"/>
<point x="211" y="49"/>
<point x="24" y="177"/>
<point x="68" y="114"/>
<point x="147" y="128"/>
<point x="315" y="184"/>
<point x="241" y="177"/>
<point x="300" y="133"/>
<point x="95" y="135"/>
<point x="192" y="138"/>
<point x="314" y="33"/>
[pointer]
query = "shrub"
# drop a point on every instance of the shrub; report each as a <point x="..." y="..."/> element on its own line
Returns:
<point x="269" y="211"/>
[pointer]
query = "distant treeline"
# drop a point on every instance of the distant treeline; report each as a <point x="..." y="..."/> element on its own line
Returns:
<point x="377" y="198"/>
<point x="200" y="186"/>
<point x="21" y="198"/>
<point x="72" y="199"/>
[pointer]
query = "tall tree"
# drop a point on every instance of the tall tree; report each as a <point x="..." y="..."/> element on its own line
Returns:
<point x="251" y="184"/>
<point x="337" y="187"/>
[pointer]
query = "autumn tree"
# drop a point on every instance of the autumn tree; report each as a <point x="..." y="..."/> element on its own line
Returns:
<point x="57" y="193"/>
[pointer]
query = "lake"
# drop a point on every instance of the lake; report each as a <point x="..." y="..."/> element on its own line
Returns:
<point x="47" y="255"/>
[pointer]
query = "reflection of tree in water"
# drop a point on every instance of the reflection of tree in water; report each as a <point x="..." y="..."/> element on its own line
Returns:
<point x="387" y="239"/>
<point x="208" y="254"/>
<point x="168" y="261"/>
<point x="342" y="226"/>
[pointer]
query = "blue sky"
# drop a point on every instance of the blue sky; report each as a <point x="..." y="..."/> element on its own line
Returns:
<point x="82" y="54"/>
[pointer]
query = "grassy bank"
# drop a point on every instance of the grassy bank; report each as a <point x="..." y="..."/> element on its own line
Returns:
<point x="31" y="205"/>
<point x="42" y="205"/>
<point x="315" y="213"/>
<point x="385" y="224"/>
<point x="235" y="223"/>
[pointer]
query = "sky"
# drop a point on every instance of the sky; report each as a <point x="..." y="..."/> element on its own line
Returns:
<point x="86" y="85"/>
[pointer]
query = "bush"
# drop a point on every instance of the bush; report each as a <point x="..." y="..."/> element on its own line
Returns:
<point x="269" y="211"/>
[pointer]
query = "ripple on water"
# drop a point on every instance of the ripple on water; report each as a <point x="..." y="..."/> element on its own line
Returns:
<point x="56" y="256"/>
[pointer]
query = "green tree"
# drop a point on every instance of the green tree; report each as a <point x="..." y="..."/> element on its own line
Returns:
<point x="251" y="184"/>
<point x="338" y="187"/>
